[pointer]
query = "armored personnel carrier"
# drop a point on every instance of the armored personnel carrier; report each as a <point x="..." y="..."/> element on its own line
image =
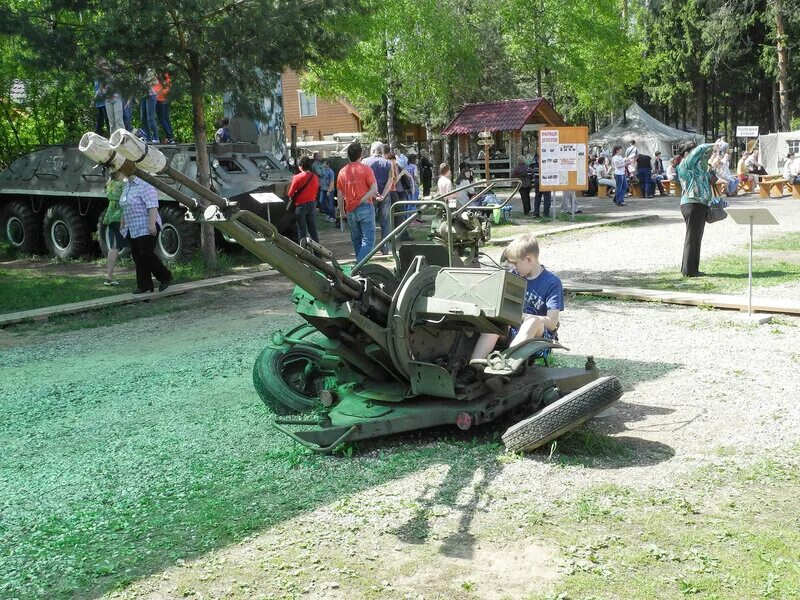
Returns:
<point x="53" y="199"/>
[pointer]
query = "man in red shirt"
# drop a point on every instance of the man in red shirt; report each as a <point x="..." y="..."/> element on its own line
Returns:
<point x="356" y="187"/>
<point x="303" y="190"/>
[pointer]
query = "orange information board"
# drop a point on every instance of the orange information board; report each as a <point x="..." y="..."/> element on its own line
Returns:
<point x="562" y="158"/>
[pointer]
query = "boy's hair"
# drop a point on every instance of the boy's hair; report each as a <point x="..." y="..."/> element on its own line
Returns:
<point x="522" y="246"/>
<point x="306" y="163"/>
<point x="444" y="169"/>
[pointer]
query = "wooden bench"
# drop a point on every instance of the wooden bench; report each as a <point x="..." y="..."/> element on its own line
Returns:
<point x="602" y="190"/>
<point x="795" y="190"/>
<point x="771" y="187"/>
<point x="677" y="190"/>
<point x="667" y="185"/>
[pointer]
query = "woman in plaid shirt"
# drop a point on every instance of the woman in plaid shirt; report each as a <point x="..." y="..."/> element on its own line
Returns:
<point x="141" y="221"/>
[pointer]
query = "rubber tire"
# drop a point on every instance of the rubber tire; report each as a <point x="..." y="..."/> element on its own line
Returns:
<point x="563" y="415"/>
<point x="280" y="397"/>
<point x="124" y="253"/>
<point x="380" y="275"/>
<point x="77" y="227"/>
<point x="31" y="227"/>
<point x="187" y="232"/>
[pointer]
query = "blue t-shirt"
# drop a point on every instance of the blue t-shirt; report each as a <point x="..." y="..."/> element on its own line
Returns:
<point x="382" y="169"/>
<point x="542" y="294"/>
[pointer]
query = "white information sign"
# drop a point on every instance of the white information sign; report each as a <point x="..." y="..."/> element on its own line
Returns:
<point x="746" y="131"/>
<point x="266" y="198"/>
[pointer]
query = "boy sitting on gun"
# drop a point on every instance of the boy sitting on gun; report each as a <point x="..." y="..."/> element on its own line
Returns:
<point x="544" y="299"/>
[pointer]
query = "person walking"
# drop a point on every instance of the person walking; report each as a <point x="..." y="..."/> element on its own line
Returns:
<point x="326" y="192"/>
<point x="426" y="175"/>
<point x="618" y="163"/>
<point x="356" y="189"/>
<point x="695" y="200"/>
<point x="382" y="169"/>
<point x="540" y="195"/>
<point x="303" y="192"/>
<point x="101" y="118"/>
<point x="644" y="168"/>
<point x="141" y="222"/>
<point x="110" y="226"/>
<point x="147" y="109"/>
<point x="162" y="88"/>
<point x="523" y="172"/>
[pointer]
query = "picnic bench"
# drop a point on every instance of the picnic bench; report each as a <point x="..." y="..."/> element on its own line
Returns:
<point x="795" y="190"/>
<point x="602" y="190"/>
<point x="771" y="186"/>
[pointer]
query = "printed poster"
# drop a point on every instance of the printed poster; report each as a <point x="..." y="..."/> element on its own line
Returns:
<point x="549" y="136"/>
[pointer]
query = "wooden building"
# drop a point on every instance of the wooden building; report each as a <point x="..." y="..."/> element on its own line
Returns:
<point x="315" y="117"/>
<point x="513" y="124"/>
<point x="318" y="119"/>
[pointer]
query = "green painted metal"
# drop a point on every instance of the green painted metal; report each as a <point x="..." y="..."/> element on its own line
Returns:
<point x="387" y="351"/>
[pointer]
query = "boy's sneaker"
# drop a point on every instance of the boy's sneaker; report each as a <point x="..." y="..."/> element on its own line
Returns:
<point x="110" y="282"/>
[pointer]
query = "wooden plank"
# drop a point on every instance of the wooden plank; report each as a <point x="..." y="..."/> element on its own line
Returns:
<point x="576" y="226"/>
<point x="42" y="314"/>
<point x="737" y="302"/>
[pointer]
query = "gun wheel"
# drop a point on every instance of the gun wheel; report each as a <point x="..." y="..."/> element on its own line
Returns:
<point x="286" y="378"/>
<point x="563" y="415"/>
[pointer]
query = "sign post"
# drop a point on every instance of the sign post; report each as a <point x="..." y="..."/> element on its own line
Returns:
<point x="750" y="217"/>
<point x="485" y="140"/>
<point x="267" y="198"/>
<point x="562" y="160"/>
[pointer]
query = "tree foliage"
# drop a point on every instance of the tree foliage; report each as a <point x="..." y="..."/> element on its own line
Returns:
<point x="417" y="54"/>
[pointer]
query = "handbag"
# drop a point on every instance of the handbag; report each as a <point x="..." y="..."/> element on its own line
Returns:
<point x="716" y="211"/>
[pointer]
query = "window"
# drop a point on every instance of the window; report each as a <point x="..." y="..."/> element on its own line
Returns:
<point x="308" y="104"/>
<point x="794" y="145"/>
<point x="229" y="165"/>
<point x="675" y="148"/>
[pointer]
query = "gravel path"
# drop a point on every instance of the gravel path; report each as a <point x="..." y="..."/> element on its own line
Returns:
<point x="612" y="254"/>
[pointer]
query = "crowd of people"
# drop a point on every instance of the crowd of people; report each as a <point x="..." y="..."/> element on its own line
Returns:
<point x="113" y="112"/>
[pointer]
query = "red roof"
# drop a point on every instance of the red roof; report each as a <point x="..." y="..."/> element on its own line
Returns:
<point x="506" y="115"/>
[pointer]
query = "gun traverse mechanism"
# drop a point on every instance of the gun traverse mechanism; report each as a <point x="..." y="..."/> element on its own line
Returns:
<point x="386" y="351"/>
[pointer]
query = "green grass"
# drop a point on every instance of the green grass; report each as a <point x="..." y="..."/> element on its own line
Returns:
<point x="727" y="532"/>
<point x="29" y="288"/>
<point x="774" y="263"/>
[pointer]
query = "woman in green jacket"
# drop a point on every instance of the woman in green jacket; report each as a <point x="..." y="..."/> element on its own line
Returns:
<point x="695" y="200"/>
<point x="110" y="226"/>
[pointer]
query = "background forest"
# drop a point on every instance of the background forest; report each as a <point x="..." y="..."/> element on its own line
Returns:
<point x="706" y="65"/>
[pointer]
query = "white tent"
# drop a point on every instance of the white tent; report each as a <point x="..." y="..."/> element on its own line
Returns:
<point x="650" y="134"/>
<point x="774" y="147"/>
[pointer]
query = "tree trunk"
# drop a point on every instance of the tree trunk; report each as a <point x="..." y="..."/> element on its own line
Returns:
<point x="783" y="68"/>
<point x="203" y="166"/>
<point x="539" y="82"/>
<point x="776" y="108"/>
<point x="429" y="136"/>
<point x="391" y="136"/>
<point x="700" y="107"/>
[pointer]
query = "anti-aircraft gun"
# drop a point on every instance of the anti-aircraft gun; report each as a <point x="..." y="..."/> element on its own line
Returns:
<point x="385" y="351"/>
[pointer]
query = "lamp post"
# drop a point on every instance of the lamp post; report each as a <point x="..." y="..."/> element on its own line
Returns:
<point x="485" y="140"/>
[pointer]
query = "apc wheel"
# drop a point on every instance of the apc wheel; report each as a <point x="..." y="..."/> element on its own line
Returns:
<point x="21" y="228"/>
<point x="66" y="233"/>
<point x="285" y="378"/>
<point x="105" y="240"/>
<point x="177" y="240"/>
<point x="563" y="415"/>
